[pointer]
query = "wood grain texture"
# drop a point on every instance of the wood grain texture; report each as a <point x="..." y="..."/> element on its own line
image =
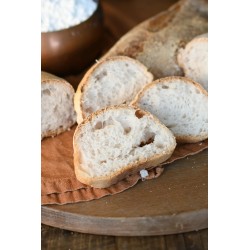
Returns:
<point x="193" y="241"/>
<point x="175" y="242"/>
<point x="173" y="203"/>
<point x="55" y="238"/>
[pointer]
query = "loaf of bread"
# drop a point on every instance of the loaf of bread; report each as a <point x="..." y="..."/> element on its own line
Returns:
<point x="112" y="81"/>
<point x="193" y="59"/>
<point x="57" y="105"/>
<point x="156" y="41"/>
<point x="180" y="103"/>
<point x="117" y="141"/>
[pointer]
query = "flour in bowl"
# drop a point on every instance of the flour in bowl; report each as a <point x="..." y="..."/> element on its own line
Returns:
<point x="62" y="14"/>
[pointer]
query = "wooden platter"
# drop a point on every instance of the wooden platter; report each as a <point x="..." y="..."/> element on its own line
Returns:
<point x="175" y="202"/>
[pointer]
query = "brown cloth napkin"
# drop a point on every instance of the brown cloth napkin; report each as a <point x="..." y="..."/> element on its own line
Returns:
<point x="59" y="184"/>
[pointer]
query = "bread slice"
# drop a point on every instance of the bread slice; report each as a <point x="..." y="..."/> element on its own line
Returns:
<point x="117" y="141"/>
<point x="57" y="105"/>
<point x="193" y="59"/>
<point x="180" y="103"/>
<point x="113" y="81"/>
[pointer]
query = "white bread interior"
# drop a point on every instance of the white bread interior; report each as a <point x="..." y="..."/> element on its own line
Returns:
<point x="117" y="141"/>
<point x="193" y="59"/>
<point x="112" y="81"/>
<point x="57" y="105"/>
<point x="179" y="103"/>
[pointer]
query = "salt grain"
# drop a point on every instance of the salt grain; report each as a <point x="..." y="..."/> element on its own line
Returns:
<point x="62" y="14"/>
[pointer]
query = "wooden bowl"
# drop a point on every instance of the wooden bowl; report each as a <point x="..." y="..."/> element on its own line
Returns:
<point x="69" y="50"/>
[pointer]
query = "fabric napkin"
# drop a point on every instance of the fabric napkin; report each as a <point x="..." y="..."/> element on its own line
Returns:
<point x="59" y="184"/>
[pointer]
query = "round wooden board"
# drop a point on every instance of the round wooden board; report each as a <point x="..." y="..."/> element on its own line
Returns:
<point x="175" y="202"/>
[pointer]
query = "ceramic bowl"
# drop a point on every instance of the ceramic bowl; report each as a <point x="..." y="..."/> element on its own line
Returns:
<point x="69" y="50"/>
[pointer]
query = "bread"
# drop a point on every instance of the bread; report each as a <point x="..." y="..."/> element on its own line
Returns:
<point x="180" y="103"/>
<point x="193" y="59"/>
<point x="113" y="81"/>
<point x="156" y="41"/>
<point x="57" y="106"/>
<point x="115" y="142"/>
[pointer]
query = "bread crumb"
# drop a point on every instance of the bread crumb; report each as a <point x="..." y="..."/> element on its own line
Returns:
<point x="144" y="174"/>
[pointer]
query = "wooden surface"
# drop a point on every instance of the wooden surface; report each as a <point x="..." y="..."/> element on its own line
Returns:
<point x="175" y="202"/>
<point x="55" y="238"/>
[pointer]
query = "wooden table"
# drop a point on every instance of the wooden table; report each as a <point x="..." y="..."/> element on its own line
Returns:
<point x="54" y="238"/>
<point x="121" y="16"/>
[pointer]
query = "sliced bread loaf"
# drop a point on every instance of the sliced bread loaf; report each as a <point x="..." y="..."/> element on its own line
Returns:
<point x="113" y="81"/>
<point x="180" y="103"/>
<point x="117" y="141"/>
<point x="193" y="59"/>
<point x="155" y="41"/>
<point x="57" y="105"/>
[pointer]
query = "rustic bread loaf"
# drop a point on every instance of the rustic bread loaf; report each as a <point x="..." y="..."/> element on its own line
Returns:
<point x="193" y="59"/>
<point x="57" y="106"/>
<point x="113" y="81"/>
<point x="180" y="103"/>
<point x="156" y="41"/>
<point x="117" y="141"/>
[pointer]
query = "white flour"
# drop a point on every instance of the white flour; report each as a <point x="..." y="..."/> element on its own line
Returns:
<point x="62" y="14"/>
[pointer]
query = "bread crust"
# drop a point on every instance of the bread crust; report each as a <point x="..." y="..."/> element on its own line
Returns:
<point x="106" y="181"/>
<point x="168" y="79"/>
<point x="179" y="139"/>
<point x="81" y="89"/>
<point x="51" y="79"/>
<point x="52" y="133"/>
<point x="47" y="78"/>
<point x="156" y="41"/>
